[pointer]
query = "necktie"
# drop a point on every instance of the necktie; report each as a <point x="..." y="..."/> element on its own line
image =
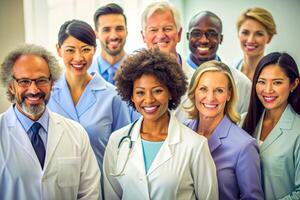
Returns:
<point x="111" y="75"/>
<point x="37" y="143"/>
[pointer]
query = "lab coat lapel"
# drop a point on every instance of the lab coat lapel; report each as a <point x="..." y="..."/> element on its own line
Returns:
<point x="221" y="132"/>
<point x="18" y="134"/>
<point x="62" y="96"/>
<point x="55" y="132"/>
<point x="137" y="158"/>
<point x="285" y="122"/>
<point x="166" y="151"/>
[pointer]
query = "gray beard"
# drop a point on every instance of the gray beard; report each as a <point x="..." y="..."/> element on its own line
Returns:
<point x="33" y="110"/>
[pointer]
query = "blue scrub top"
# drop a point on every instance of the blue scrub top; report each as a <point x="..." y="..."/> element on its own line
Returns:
<point x="99" y="110"/>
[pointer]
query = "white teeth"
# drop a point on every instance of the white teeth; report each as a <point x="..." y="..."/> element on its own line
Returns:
<point x="77" y="66"/>
<point x="33" y="98"/>
<point x="203" y="48"/>
<point x="269" y="98"/>
<point x="150" y="109"/>
<point x="114" y="42"/>
<point x="210" y="105"/>
<point x="161" y="43"/>
<point x="251" y="47"/>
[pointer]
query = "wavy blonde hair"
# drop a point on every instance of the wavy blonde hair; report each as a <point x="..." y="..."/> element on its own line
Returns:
<point x="260" y="15"/>
<point x="213" y="66"/>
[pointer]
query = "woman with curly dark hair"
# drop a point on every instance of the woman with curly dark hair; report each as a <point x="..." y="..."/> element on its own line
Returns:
<point x="156" y="157"/>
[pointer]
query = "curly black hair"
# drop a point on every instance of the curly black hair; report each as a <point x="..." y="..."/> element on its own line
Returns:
<point x="155" y="62"/>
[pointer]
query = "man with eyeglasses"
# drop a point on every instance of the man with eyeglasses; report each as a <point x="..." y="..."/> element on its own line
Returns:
<point x="43" y="155"/>
<point x="205" y="36"/>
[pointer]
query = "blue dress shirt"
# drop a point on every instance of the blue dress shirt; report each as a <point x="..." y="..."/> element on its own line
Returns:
<point x="27" y="123"/>
<point x="104" y="68"/>
<point x="236" y="156"/>
<point x="99" y="110"/>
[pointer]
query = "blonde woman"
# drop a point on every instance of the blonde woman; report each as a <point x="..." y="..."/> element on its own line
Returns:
<point x="212" y="92"/>
<point x="256" y="28"/>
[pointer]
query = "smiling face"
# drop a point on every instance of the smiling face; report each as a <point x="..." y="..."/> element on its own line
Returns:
<point x="253" y="38"/>
<point x="31" y="100"/>
<point x="112" y="33"/>
<point x="204" y="38"/>
<point x="150" y="98"/>
<point x="273" y="88"/>
<point x="211" y="95"/>
<point x="77" y="55"/>
<point x="161" y="32"/>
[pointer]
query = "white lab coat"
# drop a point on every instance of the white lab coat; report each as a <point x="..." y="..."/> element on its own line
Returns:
<point x="180" y="112"/>
<point x="70" y="170"/>
<point x="183" y="169"/>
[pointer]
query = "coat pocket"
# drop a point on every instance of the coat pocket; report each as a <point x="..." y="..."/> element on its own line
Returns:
<point x="68" y="171"/>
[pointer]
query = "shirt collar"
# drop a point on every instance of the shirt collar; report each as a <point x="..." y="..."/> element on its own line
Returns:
<point x="191" y="63"/>
<point x="179" y="59"/>
<point x="104" y="65"/>
<point x="221" y="130"/>
<point x="194" y="65"/>
<point x="27" y="123"/>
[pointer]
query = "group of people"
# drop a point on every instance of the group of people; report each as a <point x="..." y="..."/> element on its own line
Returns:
<point x="151" y="125"/>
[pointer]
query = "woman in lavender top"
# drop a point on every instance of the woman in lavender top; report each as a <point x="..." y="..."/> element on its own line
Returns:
<point x="213" y="96"/>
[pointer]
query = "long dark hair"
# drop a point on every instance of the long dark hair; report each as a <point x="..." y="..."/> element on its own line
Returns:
<point x="256" y="108"/>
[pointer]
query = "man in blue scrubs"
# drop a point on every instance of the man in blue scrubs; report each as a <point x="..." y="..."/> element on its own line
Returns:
<point x="205" y="36"/>
<point x="43" y="155"/>
<point x="111" y="30"/>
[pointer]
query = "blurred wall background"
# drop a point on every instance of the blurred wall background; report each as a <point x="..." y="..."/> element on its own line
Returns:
<point x="12" y="32"/>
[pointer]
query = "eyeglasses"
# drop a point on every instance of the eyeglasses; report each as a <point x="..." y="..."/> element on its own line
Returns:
<point x="211" y="35"/>
<point x="39" y="82"/>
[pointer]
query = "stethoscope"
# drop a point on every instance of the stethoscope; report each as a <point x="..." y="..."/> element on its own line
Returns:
<point x="123" y="150"/>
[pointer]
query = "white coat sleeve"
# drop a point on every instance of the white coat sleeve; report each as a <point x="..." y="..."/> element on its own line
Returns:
<point x="204" y="173"/>
<point x="89" y="186"/>
<point x="112" y="188"/>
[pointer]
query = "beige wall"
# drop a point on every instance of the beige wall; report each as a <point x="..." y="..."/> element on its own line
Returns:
<point x="12" y="33"/>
